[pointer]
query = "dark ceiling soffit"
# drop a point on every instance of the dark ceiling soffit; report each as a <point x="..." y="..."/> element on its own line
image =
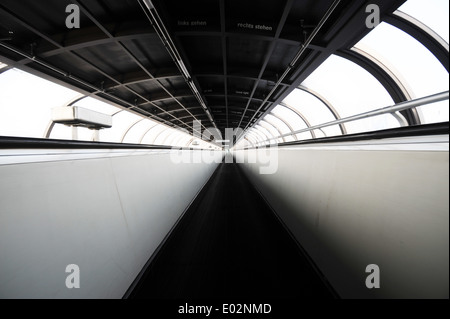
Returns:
<point x="84" y="38"/>
<point x="260" y="37"/>
<point x="133" y="57"/>
<point x="174" y="51"/>
<point x="279" y="29"/>
<point x="224" y="54"/>
<point x="138" y="78"/>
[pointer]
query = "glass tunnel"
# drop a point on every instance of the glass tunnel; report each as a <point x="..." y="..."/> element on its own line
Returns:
<point x="342" y="86"/>
<point x="117" y="120"/>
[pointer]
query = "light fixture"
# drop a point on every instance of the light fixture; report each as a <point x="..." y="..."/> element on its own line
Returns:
<point x="78" y="116"/>
<point x="184" y="69"/>
<point x="149" y="4"/>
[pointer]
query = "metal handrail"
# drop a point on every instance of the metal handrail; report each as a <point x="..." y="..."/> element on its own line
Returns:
<point x="386" y="110"/>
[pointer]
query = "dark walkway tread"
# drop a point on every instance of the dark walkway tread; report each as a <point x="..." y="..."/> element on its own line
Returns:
<point x="230" y="244"/>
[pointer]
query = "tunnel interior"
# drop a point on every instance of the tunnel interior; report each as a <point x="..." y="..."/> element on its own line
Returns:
<point x="230" y="244"/>
<point x="217" y="149"/>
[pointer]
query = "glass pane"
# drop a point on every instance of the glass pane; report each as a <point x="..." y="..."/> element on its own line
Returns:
<point x="85" y="134"/>
<point x="255" y="136"/>
<point x="181" y="141"/>
<point x="202" y="144"/>
<point x="184" y="140"/>
<point x="320" y="133"/>
<point x="270" y="136"/>
<point x="380" y="122"/>
<point x="435" y="113"/>
<point x="294" y="120"/>
<point x="351" y="90"/>
<point x="243" y="144"/>
<point x="432" y="13"/>
<point x="26" y="103"/>
<point x="166" y="137"/>
<point x="121" y="123"/>
<point x="162" y="135"/>
<point x="260" y="136"/>
<point x="264" y="131"/>
<point x="273" y="131"/>
<point x="314" y="110"/>
<point x="172" y="137"/>
<point x="64" y="132"/>
<point x="190" y="141"/>
<point x="418" y="68"/>
<point x="97" y="106"/>
<point x="136" y="133"/>
<point x="61" y="132"/>
<point x="281" y="126"/>
<point x="160" y="140"/>
<point x="152" y="134"/>
<point x="289" y="116"/>
<point x="250" y="143"/>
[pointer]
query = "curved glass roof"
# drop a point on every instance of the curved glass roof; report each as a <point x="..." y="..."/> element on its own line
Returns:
<point x="432" y="13"/>
<point x="29" y="115"/>
<point x="26" y="102"/>
<point x="340" y="88"/>
<point x="400" y="60"/>
<point x="336" y="79"/>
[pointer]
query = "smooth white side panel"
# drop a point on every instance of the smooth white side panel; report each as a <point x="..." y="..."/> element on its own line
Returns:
<point x="351" y="208"/>
<point x="107" y="215"/>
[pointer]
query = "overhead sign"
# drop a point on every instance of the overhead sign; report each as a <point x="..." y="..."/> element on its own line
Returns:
<point x="192" y="23"/>
<point x="233" y="25"/>
<point x="251" y="26"/>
